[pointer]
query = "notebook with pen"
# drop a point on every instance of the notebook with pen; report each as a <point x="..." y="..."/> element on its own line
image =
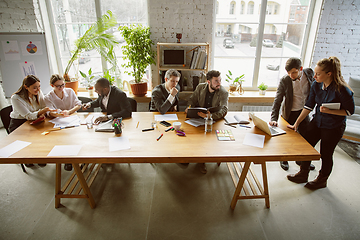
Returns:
<point x="192" y="112"/>
<point x="105" y="127"/>
<point x="233" y="119"/>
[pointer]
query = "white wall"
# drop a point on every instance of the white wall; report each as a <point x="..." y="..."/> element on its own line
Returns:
<point x="339" y="35"/>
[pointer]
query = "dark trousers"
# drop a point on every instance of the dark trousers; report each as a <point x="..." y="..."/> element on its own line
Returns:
<point x="303" y="125"/>
<point x="329" y="139"/>
<point x="15" y="123"/>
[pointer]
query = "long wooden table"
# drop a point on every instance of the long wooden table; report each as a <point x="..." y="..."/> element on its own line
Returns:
<point x="195" y="147"/>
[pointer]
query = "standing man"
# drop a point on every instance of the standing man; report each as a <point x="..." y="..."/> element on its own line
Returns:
<point x="165" y="97"/>
<point x="111" y="99"/>
<point x="210" y="94"/>
<point x="295" y="88"/>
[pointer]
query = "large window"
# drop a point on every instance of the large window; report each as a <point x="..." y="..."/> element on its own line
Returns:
<point x="263" y="40"/>
<point x="73" y="17"/>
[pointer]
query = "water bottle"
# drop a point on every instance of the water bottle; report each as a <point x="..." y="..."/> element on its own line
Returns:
<point x="208" y="123"/>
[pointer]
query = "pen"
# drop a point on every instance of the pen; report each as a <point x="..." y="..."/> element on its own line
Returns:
<point x="137" y="125"/>
<point x="159" y="137"/>
<point x="244" y="126"/>
<point x="170" y="128"/>
<point x="148" y="129"/>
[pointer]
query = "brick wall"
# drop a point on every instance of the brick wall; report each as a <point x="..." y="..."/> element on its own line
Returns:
<point x="193" y="18"/>
<point x="339" y="35"/>
<point x="17" y="16"/>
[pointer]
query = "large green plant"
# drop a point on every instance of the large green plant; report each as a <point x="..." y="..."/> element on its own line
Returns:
<point x="137" y="50"/>
<point x="96" y="37"/>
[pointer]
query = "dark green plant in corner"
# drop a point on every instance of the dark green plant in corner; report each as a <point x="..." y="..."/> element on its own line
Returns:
<point x="137" y="50"/>
<point x="96" y="37"/>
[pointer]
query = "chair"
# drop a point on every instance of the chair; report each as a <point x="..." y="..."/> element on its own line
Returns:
<point x="5" y="118"/>
<point x="85" y="100"/>
<point x="133" y="104"/>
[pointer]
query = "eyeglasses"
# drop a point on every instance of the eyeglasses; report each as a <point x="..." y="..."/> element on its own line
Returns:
<point x="60" y="86"/>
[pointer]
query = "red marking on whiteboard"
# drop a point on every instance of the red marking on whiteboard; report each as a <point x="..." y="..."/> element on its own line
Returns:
<point x="30" y="42"/>
<point x="25" y="61"/>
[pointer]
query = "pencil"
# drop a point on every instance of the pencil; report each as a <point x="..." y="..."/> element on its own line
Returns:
<point x="137" y="125"/>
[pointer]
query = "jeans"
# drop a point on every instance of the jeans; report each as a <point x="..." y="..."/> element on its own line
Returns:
<point x="329" y="139"/>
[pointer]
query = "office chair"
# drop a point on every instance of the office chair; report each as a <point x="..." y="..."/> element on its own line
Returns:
<point x="133" y="104"/>
<point x="85" y="100"/>
<point x="5" y="118"/>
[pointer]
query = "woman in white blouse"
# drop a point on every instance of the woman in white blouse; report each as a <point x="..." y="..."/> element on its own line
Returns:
<point x="61" y="98"/>
<point x="28" y="104"/>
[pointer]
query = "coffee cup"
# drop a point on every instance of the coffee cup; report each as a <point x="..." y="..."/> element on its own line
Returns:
<point x="177" y="125"/>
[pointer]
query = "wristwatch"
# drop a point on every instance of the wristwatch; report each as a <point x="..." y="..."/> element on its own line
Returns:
<point x="110" y="117"/>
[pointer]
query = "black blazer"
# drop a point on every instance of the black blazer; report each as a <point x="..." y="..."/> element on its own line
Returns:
<point x="159" y="101"/>
<point x="118" y="104"/>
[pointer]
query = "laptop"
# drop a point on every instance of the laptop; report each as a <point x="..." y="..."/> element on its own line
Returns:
<point x="264" y="126"/>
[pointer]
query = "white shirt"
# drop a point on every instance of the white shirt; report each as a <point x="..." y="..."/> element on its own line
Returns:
<point x="170" y="98"/>
<point x="23" y="109"/>
<point x="68" y="101"/>
<point x="301" y="90"/>
<point x="105" y="99"/>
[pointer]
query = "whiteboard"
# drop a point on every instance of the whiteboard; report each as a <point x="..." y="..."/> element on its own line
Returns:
<point x="22" y="54"/>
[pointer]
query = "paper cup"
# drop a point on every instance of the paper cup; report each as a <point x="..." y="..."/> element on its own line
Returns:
<point x="177" y="125"/>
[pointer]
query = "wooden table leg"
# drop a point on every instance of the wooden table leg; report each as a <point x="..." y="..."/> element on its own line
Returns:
<point x="84" y="185"/>
<point x="240" y="184"/>
<point x="57" y="184"/>
<point x="266" y="189"/>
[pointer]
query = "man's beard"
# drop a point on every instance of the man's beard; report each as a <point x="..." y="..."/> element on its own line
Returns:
<point x="211" y="86"/>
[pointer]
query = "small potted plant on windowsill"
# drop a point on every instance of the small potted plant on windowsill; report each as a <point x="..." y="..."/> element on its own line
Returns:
<point x="235" y="83"/>
<point x="88" y="81"/>
<point x="139" y="55"/>
<point x="262" y="88"/>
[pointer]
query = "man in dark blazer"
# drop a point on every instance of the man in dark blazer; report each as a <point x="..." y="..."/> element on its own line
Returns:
<point x="165" y="97"/>
<point x="111" y="99"/>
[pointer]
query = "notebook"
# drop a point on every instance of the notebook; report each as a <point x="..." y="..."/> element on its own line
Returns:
<point x="232" y="119"/>
<point x="264" y="126"/>
<point x="105" y="127"/>
<point x="192" y="112"/>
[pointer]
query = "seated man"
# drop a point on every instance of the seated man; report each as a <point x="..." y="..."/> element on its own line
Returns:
<point x="165" y="97"/>
<point x="111" y="99"/>
<point x="292" y="93"/>
<point x="210" y="94"/>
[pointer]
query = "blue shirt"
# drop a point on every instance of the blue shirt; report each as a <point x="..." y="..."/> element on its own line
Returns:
<point x="319" y="95"/>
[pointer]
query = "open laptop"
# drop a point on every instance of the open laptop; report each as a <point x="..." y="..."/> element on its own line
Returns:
<point x="264" y="126"/>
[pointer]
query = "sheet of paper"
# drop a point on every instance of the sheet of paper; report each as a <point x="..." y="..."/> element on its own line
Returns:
<point x="118" y="143"/>
<point x="66" y="121"/>
<point x="335" y="106"/>
<point x="12" y="148"/>
<point x="166" y="117"/>
<point x="255" y="140"/>
<point x="65" y="150"/>
<point x="91" y="117"/>
<point x="195" y="122"/>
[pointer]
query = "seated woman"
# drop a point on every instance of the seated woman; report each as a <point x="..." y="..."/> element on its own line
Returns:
<point x="28" y="104"/>
<point x="62" y="98"/>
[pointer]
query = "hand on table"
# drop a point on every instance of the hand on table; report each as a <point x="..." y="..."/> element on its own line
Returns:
<point x="101" y="119"/>
<point x="273" y="123"/>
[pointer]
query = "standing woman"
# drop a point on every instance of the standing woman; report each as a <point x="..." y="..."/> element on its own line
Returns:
<point x="61" y="98"/>
<point x="28" y="104"/>
<point x="328" y="125"/>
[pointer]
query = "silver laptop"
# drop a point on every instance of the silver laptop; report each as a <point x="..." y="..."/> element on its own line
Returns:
<point x="264" y="126"/>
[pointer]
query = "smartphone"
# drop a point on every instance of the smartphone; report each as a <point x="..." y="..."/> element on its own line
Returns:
<point x="165" y="123"/>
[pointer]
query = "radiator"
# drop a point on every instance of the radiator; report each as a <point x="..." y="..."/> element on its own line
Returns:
<point x="248" y="108"/>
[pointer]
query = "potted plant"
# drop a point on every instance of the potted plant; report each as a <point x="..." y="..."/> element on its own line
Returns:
<point x="88" y="81"/>
<point x="139" y="55"/>
<point x="234" y="83"/>
<point x="262" y="88"/>
<point x="98" y="38"/>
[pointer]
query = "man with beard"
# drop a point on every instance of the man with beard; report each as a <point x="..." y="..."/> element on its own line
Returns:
<point x="111" y="99"/>
<point x="165" y="97"/>
<point x="210" y="94"/>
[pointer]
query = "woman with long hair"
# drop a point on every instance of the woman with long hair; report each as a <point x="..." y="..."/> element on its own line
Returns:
<point x="328" y="124"/>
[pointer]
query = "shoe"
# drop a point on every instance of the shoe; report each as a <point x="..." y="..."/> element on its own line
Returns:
<point x="29" y="165"/>
<point x="68" y="166"/>
<point x="300" y="177"/>
<point x="202" y="168"/>
<point x="42" y="164"/>
<point x="312" y="167"/>
<point x="319" y="182"/>
<point x="284" y="165"/>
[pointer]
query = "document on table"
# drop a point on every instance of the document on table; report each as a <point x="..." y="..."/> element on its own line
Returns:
<point x="195" y="122"/>
<point x="91" y="117"/>
<point x="334" y="106"/>
<point x="66" y="121"/>
<point x="255" y="140"/>
<point x="12" y="148"/>
<point x="118" y="143"/>
<point x="166" y="117"/>
<point x="65" y="150"/>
